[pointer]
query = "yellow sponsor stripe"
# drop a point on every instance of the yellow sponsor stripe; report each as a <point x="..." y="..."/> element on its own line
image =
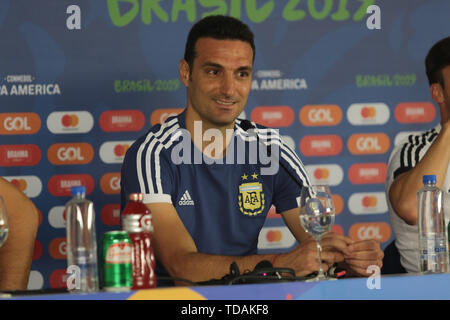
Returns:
<point x="167" y="294"/>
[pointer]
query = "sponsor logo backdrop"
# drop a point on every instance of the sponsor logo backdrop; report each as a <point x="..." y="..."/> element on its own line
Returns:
<point x="342" y="95"/>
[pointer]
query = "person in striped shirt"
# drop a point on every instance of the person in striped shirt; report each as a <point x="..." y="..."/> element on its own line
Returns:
<point x="210" y="178"/>
<point x="418" y="155"/>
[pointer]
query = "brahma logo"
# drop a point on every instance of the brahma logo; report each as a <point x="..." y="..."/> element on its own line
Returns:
<point x="275" y="238"/>
<point x="110" y="183"/>
<point x="273" y="116"/>
<point x="368" y="143"/>
<point x="159" y="116"/>
<point x="367" y="173"/>
<point x="57" y="248"/>
<point x="31" y="186"/>
<point x="70" y="122"/>
<point x="110" y="215"/>
<point x="367" y="203"/>
<point x="330" y="174"/>
<point x="379" y="231"/>
<point x="122" y="120"/>
<point x="321" y="145"/>
<point x="61" y="185"/>
<point x="415" y="112"/>
<point x="19" y="155"/>
<point x="58" y="279"/>
<point x="360" y="114"/>
<point x="114" y="151"/>
<point x="70" y="153"/>
<point x="19" y="123"/>
<point x="320" y="115"/>
<point x="57" y="217"/>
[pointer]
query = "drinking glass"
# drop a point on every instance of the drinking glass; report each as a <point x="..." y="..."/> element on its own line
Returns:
<point x="317" y="217"/>
<point x="4" y="226"/>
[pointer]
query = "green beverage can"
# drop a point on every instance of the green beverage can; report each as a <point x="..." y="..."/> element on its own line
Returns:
<point x="117" y="264"/>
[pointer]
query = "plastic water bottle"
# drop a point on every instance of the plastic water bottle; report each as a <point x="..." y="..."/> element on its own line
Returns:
<point x="433" y="243"/>
<point x="81" y="243"/>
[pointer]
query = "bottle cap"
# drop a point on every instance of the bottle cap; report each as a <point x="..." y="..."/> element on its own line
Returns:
<point x="429" y="178"/>
<point x="78" y="190"/>
<point x="136" y="196"/>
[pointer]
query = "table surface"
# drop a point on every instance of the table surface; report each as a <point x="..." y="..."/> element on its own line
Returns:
<point x="387" y="287"/>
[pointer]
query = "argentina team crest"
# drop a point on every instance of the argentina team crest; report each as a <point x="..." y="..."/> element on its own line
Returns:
<point x="251" y="197"/>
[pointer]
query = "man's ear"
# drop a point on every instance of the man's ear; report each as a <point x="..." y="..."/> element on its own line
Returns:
<point x="184" y="72"/>
<point x="437" y="93"/>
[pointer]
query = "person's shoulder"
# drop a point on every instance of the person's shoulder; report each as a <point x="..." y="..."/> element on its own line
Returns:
<point x="418" y="138"/>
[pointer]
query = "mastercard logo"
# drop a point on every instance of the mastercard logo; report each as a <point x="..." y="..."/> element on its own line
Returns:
<point x="320" y="115"/>
<point x="110" y="183"/>
<point x="415" y="112"/>
<point x="368" y="143"/>
<point x="321" y="145"/>
<point x="70" y="120"/>
<point x="110" y="215"/>
<point x="379" y="231"/>
<point x="273" y="116"/>
<point x="360" y="114"/>
<point x="330" y="174"/>
<point x="275" y="238"/>
<point x="19" y="123"/>
<point x="367" y="203"/>
<point x="31" y="186"/>
<point x="368" y="112"/>
<point x="114" y="151"/>
<point x="367" y="173"/>
<point x="122" y="120"/>
<point x="159" y="116"/>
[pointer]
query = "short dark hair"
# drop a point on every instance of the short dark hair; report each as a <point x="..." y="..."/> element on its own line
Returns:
<point x="437" y="59"/>
<point x="217" y="27"/>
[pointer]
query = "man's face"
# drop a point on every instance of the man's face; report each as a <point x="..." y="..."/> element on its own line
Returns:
<point x="220" y="81"/>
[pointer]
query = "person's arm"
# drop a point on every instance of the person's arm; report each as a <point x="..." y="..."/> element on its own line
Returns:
<point x="403" y="191"/>
<point x="17" y="252"/>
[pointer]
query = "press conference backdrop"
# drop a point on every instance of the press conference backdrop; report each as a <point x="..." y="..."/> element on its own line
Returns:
<point x="79" y="84"/>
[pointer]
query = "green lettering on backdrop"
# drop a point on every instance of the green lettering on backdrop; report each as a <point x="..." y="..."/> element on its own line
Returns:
<point x="188" y="7"/>
<point x="257" y="10"/>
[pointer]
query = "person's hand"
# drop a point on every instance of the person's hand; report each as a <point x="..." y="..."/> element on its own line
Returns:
<point x="304" y="258"/>
<point x="363" y="254"/>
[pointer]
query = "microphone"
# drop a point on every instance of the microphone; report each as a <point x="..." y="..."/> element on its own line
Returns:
<point x="246" y="125"/>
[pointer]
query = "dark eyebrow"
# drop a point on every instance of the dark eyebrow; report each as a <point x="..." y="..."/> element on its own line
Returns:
<point x="216" y="65"/>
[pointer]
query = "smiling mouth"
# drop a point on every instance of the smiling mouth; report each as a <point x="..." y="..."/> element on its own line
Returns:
<point x="225" y="103"/>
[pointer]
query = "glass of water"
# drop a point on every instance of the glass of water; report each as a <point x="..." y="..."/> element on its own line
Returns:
<point x="4" y="226"/>
<point x="317" y="217"/>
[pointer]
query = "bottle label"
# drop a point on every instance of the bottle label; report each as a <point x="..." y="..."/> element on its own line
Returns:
<point x="137" y="223"/>
<point x="118" y="253"/>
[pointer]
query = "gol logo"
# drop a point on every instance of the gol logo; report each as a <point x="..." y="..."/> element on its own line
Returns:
<point x="320" y="115"/>
<point x="159" y="116"/>
<point x="19" y="123"/>
<point x="61" y="185"/>
<point x="58" y="279"/>
<point x="122" y="120"/>
<point x="379" y="231"/>
<point x="19" y="155"/>
<point x="367" y="173"/>
<point x="321" y="145"/>
<point x="414" y="112"/>
<point x="70" y="153"/>
<point x="110" y="215"/>
<point x="110" y="183"/>
<point x="273" y="116"/>
<point x="368" y="143"/>
<point x="57" y="248"/>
